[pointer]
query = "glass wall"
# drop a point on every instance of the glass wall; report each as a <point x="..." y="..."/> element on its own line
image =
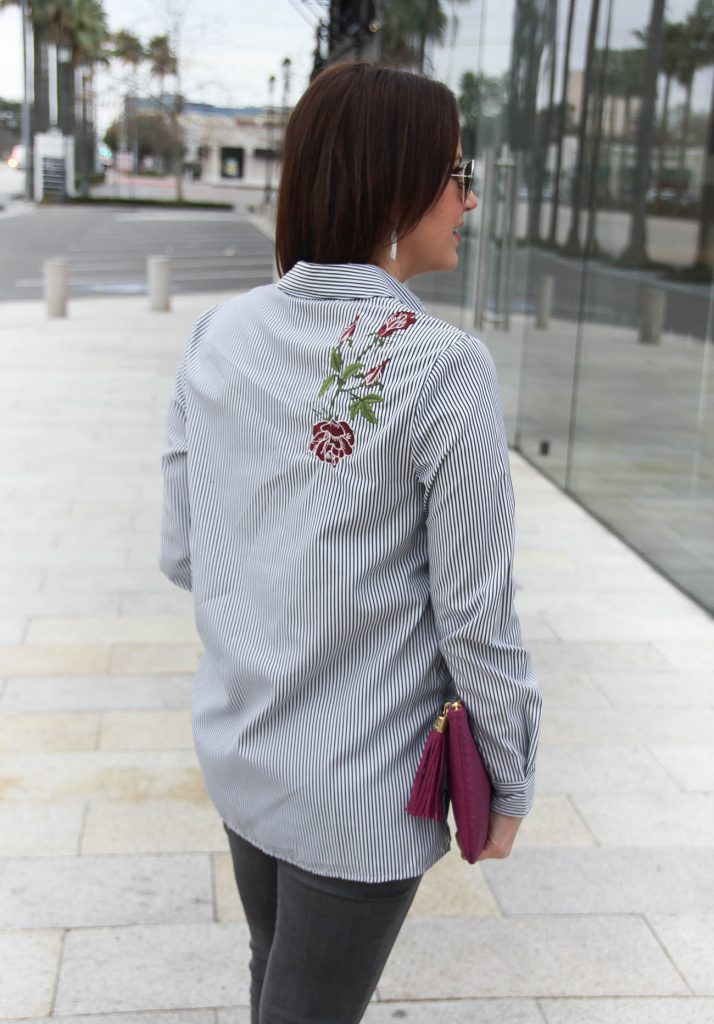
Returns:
<point x="588" y="267"/>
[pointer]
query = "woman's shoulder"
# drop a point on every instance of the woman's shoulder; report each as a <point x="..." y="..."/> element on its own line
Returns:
<point x="450" y="345"/>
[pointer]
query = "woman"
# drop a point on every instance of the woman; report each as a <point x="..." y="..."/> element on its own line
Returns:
<point x="338" y="499"/>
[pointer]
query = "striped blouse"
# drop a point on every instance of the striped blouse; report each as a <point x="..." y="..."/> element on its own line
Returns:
<point x="337" y="496"/>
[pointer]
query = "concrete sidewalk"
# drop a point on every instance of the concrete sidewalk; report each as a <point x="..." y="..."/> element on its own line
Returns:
<point x="116" y="901"/>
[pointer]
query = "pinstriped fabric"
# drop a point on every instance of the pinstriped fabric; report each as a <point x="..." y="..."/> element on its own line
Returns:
<point x="339" y="604"/>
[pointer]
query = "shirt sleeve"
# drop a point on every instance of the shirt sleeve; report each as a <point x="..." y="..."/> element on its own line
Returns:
<point x="461" y="458"/>
<point x="175" y="551"/>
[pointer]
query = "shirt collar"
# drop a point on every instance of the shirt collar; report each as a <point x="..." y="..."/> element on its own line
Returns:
<point x="346" y="281"/>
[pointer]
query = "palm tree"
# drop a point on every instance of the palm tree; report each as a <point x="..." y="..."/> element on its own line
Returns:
<point x="163" y="62"/>
<point x="79" y="29"/>
<point x="675" y="44"/>
<point x="635" y="253"/>
<point x="624" y="81"/>
<point x="406" y="26"/>
<point x="703" y="32"/>
<point x="128" y="49"/>
<point x="560" y="128"/>
<point x="480" y="101"/>
<point x="543" y="128"/>
<point x="572" y="243"/>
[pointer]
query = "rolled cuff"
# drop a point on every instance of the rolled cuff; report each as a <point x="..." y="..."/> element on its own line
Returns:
<point x="514" y="799"/>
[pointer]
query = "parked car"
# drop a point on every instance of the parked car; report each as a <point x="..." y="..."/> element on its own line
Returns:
<point x="16" y="160"/>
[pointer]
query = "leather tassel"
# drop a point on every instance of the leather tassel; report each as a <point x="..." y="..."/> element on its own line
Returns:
<point x="427" y="795"/>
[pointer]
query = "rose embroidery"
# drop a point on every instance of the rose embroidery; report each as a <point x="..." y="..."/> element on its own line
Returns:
<point x="333" y="438"/>
<point x="349" y="331"/>
<point x="331" y="441"/>
<point x="373" y="375"/>
<point x="396" y="322"/>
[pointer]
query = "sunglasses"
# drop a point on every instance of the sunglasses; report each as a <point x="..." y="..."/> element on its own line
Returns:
<point x="465" y="177"/>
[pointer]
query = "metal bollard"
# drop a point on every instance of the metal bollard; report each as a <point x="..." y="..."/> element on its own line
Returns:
<point x="56" y="287"/>
<point x="158" y="278"/>
<point x="545" y="300"/>
<point x="652" y="316"/>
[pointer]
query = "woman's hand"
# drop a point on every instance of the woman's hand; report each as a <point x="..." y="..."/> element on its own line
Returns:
<point x="502" y="831"/>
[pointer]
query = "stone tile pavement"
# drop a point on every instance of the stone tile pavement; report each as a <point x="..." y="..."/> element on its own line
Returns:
<point x="116" y="901"/>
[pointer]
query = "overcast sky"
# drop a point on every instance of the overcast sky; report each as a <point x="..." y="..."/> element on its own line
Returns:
<point x="229" y="48"/>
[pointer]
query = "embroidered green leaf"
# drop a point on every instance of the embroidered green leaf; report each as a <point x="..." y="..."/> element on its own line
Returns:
<point x="361" y="408"/>
<point x="336" y="360"/>
<point x="352" y="370"/>
<point x="326" y="385"/>
<point x="372" y="398"/>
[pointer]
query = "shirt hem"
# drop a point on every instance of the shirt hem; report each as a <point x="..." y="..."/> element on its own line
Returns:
<point x="348" y="874"/>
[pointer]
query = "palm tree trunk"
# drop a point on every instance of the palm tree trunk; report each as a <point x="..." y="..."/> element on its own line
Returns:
<point x="573" y="242"/>
<point x="543" y="135"/>
<point x="663" y="135"/>
<point x="685" y="125"/>
<point x="626" y="129"/>
<point x="635" y="254"/>
<point x="560" y="129"/>
<point x="705" y="242"/>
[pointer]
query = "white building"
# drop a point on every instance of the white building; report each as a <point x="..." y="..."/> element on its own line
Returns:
<point x="233" y="145"/>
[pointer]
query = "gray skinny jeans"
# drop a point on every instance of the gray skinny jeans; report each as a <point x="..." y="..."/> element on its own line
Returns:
<point x="318" y="944"/>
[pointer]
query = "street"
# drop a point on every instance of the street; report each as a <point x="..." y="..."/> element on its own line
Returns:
<point x="107" y="247"/>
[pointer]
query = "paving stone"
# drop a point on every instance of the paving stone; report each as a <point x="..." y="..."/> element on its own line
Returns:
<point x="602" y="624"/>
<point x="170" y="1017"/>
<point x="453" y="888"/>
<point x="228" y="906"/>
<point x="48" y="731"/>
<point x="649" y="819"/>
<point x="55" y="602"/>
<point x="689" y="940"/>
<point x="53" y="659"/>
<point x="553" y="821"/>
<point x="69" y="693"/>
<point x="598" y="657"/>
<point x="528" y="957"/>
<point x="12" y="630"/>
<point x="33" y="830"/>
<point x="123" y="579"/>
<point x="114" y="775"/>
<point x="607" y="881"/>
<point x="628" y="1011"/>
<point x="453" y="1011"/>
<point x="141" y="629"/>
<point x="570" y="689"/>
<point x="155" y="659"/>
<point x="146" y="730"/>
<point x="652" y="689"/>
<point x="688" y="656"/>
<point x="627" y="726"/>
<point x="28" y="962"/>
<point x="691" y="767"/>
<point x="170" y="602"/>
<point x="83" y="892"/>
<point x="163" y="967"/>
<point x="153" y="826"/>
<point x="605" y="769"/>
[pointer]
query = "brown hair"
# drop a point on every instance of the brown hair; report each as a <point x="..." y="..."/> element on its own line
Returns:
<point x="368" y="150"/>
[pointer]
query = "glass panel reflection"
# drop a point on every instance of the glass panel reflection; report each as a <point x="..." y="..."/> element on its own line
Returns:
<point x="588" y="266"/>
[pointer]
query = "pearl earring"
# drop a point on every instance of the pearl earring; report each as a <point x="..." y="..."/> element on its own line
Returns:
<point x="393" y="246"/>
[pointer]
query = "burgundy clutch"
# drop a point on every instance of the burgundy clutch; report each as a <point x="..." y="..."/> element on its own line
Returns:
<point x="451" y="769"/>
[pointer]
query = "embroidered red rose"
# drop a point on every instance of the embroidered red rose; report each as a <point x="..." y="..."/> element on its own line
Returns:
<point x="396" y="322"/>
<point x="332" y="440"/>
<point x="349" y="331"/>
<point x="373" y="375"/>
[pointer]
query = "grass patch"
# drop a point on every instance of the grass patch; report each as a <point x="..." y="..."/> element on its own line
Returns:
<point x="169" y="204"/>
